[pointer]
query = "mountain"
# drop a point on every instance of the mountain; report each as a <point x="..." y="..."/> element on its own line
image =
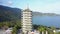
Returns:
<point x="8" y="13"/>
<point x="44" y="14"/>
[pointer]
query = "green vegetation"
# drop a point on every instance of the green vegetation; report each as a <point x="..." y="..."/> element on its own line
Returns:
<point x="15" y="24"/>
<point x="16" y="27"/>
<point x="14" y="31"/>
<point x="58" y="33"/>
<point x="43" y="29"/>
<point x="7" y="23"/>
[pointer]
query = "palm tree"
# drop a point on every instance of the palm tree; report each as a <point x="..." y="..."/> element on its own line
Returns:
<point x="53" y="28"/>
<point x="41" y="29"/>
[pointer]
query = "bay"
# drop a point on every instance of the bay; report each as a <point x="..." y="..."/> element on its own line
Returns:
<point x="47" y="20"/>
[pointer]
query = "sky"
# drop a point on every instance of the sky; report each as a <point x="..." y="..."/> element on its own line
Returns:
<point x="45" y="6"/>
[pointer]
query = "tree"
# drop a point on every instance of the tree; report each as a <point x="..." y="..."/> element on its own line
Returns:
<point x="18" y="23"/>
<point x="16" y="27"/>
<point x="53" y="28"/>
<point x="35" y="26"/>
<point x="14" y="31"/>
<point x="41" y="29"/>
<point x="1" y="25"/>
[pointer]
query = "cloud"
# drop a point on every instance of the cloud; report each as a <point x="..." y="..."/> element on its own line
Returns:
<point x="9" y="3"/>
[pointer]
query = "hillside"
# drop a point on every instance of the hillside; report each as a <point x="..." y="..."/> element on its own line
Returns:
<point x="8" y="14"/>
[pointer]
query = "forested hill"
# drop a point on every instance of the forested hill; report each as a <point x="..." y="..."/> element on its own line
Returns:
<point x="8" y="14"/>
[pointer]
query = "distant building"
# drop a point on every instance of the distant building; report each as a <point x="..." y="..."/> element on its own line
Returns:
<point x="26" y="20"/>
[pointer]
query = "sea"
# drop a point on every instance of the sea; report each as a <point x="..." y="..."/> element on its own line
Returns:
<point x="46" y="20"/>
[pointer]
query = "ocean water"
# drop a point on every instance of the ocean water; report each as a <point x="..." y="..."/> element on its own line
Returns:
<point x="47" y="20"/>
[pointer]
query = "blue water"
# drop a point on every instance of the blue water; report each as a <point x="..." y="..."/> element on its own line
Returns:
<point x="47" y="20"/>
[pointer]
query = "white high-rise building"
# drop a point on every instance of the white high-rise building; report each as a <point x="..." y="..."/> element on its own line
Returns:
<point x="26" y="20"/>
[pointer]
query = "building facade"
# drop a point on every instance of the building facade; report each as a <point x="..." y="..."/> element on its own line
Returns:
<point x="26" y="20"/>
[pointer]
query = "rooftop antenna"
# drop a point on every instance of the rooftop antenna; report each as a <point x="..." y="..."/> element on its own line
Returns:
<point x="27" y="5"/>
